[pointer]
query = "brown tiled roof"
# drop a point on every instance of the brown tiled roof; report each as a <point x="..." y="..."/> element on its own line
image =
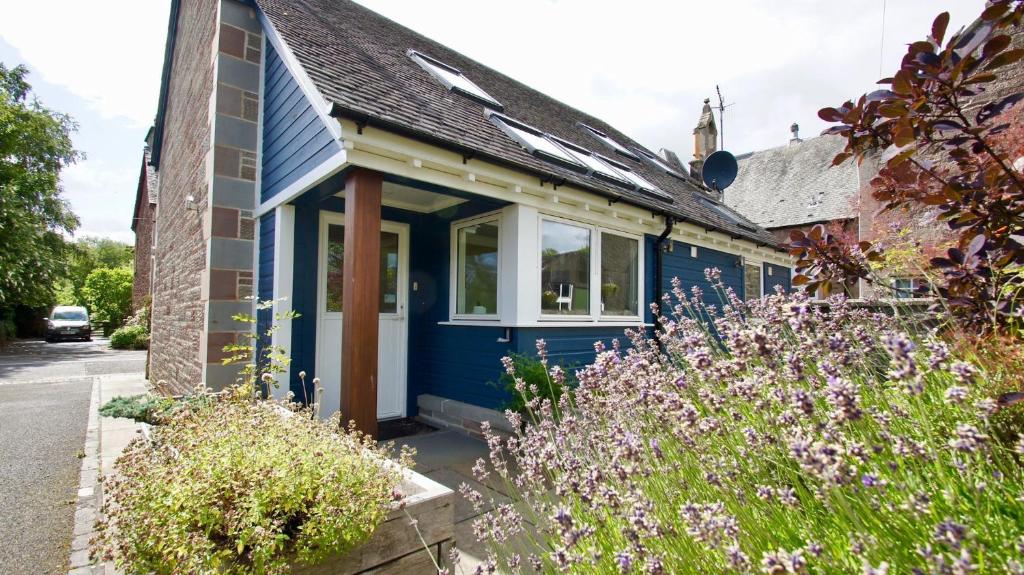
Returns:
<point x="358" y="61"/>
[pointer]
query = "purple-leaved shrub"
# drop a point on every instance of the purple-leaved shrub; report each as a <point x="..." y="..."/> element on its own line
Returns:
<point x="771" y="436"/>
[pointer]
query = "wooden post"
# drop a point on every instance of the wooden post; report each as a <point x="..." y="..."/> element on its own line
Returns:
<point x="361" y="300"/>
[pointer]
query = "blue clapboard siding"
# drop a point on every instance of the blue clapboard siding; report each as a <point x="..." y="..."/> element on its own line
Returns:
<point x="780" y="277"/>
<point x="295" y="139"/>
<point x="265" y="276"/>
<point x="463" y="362"/>
<point x="570" y="346"/>
<point x="690" y="271"/>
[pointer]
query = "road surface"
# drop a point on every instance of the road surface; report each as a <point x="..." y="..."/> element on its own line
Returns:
<point x="44" y="408"/>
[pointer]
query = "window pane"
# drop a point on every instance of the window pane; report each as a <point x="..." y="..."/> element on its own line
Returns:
<point x="477" y="271"/>
<point x="565" y="269"/>
<point x="619" y="275"/>
<point x="335" y="266"/>
<point x="336" y="269"/>
<point x="388" y="272"/>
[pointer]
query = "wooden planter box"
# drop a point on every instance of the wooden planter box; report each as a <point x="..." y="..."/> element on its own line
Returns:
<point x="396" y="546"/>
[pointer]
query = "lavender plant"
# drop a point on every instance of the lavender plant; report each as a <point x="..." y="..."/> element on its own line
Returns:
<point x="769" y="436"/>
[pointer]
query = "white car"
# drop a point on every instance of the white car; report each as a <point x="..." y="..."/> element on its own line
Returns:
<point x="68" y="322"/>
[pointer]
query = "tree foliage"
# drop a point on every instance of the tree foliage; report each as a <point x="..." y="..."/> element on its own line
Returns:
<point x="942" y="150"/>
<point x="84" y="256"/>
<point x="108" y="294"/>
<point x="35" y="145"/>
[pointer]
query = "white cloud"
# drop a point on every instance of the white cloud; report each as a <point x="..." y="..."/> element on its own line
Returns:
<point x="107" y="52"/>
<point x="103" y="196"/>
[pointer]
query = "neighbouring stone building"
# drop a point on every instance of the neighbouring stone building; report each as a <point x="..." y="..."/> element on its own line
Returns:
<point x="143" y="222"/>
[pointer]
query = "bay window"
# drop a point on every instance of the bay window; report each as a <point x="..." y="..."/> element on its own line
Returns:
<point x="476" y="269"/>
<point x="620" y="292"/>
<point x="588" y="272"/>
<point x="564" y="269"/>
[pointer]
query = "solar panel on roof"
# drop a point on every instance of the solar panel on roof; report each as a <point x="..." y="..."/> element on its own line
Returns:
<point x="453" y="79"/>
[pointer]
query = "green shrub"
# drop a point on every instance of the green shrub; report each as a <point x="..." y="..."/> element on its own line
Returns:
<point x="130" y="337"/>
<point x="537" y="384"/>
<point x="243" y="486"/>
<point x="143" y="407"/>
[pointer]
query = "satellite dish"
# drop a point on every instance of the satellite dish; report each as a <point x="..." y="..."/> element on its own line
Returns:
<point x="719" y="170"/>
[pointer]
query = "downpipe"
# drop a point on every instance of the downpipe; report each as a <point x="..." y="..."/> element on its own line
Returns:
<point x="659" y="273"/>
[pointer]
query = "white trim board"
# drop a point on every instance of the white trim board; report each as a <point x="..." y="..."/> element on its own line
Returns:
<point x="328" y="168"/>
<point x="284" y="274"/>
<point x="394" y="154"/>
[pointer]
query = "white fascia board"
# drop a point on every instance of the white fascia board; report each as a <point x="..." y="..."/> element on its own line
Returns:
<point x="320" y="104"/>
<point x="390" y="153"/>
<point x="329" y="167"/>
<point x="284" y="273"/>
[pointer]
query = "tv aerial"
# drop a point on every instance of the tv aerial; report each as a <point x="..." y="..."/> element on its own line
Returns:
<point x="719" y="170"/>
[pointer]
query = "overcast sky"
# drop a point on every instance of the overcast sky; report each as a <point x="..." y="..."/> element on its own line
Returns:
<point x="643" y="66"/>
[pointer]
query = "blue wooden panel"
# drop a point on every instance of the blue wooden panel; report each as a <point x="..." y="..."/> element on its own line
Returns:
<point x="569" y="346"/>
<point x="295" y="139"/>
<point x="780" y="276"/>
<point x="690" y="270"/>
<point x="265" y="275"/>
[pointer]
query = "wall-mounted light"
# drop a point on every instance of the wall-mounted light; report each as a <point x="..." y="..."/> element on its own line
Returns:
<point x="190" y="203"/>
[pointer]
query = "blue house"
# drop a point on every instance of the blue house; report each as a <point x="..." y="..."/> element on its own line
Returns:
<point x="424" y="214"/>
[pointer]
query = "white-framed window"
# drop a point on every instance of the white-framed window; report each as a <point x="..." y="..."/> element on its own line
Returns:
<point x="620" y="275"/>
<point x="476" y="268"/>
<point x="588" y="272"/>
<point x="753" y="283"/>
<point x="452" y="78"/>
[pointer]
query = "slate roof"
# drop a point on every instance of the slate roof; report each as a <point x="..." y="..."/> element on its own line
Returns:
<point x="795" y="184"/>
<point x="358" y="61"/>
<point x="147" y="187"/>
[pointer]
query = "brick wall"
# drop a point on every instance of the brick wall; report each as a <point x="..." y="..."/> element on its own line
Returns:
<point x="178" y="309"/>
<point x="143" y="254"/>
<point x="205" y="248"/>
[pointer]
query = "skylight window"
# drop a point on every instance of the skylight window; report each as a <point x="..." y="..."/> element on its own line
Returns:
<point x="722" y="211"/>
<point x="453" y="79"/>
<point x="534" y="142"/>
<point x="611" y="143"/>
<point x="644" y="186"/>
<point x="657" y="162"/>
<point x="592" y="161"/>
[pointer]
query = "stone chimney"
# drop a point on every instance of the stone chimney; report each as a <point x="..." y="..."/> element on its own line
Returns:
<point x="795" y="130"/>
<point x="705" y="139"/>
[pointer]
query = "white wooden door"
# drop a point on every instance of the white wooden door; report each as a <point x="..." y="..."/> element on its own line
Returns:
<point x="392" y="347"/>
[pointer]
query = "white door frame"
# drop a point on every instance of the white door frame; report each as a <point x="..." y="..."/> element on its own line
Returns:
<point x="400" y="347"/>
